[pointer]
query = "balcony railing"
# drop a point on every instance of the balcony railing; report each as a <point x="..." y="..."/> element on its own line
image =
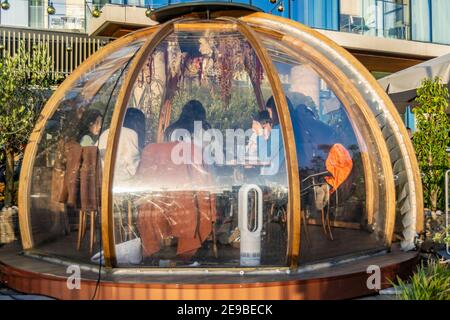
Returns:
<point x="382" y="18"/>
<point x="67" y="50"/>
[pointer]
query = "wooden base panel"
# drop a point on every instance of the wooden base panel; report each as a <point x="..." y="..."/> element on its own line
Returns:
<point x="335" y="282"/>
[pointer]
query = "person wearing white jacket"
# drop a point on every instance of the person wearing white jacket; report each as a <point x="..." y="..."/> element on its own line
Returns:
<point x="131" y="143"/>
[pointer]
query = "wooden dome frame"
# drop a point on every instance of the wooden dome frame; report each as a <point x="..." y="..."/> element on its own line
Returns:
<point x="338" y="67"/>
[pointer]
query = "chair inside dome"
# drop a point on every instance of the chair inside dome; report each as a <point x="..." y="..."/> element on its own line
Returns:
<point x="201" y="173"/>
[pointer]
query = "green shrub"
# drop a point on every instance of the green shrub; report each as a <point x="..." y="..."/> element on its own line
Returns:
<point x="430" y="282"/>
<point x="442" y="237"/>
<point x="25" y="81"/>
<point x="432" y="139"/>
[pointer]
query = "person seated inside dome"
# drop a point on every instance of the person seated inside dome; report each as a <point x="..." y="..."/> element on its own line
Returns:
<point x="325" y="165"/>
<point x="192" y="126"/>
<point x="192" y="112"/>
<point x="261" y="124"/>
<point x="313" y="140"/>
<point x="91" y="125"/>
<point x="131" y="143"/>
<point x="179" y="209"/>
<point x="270" y="140"/>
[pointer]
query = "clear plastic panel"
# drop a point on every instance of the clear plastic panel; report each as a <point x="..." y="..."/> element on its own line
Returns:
<point x="200" y="177"/>
<point x="66" y="178"/>
<point x="342" y="187"/>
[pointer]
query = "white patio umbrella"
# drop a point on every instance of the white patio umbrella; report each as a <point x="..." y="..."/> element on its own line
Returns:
<point x="402" y="86"/>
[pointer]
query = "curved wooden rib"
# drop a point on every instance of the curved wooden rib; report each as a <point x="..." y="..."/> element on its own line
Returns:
<point x="415" y="171"/>
<point x="113" y="139"/>
<point x="293" y="248"/>
<point x="47" y="112"/>
<point x="202" y="26"/>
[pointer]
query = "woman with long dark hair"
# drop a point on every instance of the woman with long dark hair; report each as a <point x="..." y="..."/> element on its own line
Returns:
<point x="135" y="120"/>
<point x="129" y="148"/>
<point x="192" y="112"/>
<point x="91" y="125"/>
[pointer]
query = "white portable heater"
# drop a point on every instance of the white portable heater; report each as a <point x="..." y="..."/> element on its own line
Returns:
<point x="250" y="238"/>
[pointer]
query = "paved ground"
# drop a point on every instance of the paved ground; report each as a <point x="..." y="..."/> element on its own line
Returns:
<point x="386" y="294"/>
<point x="380" y="297"/>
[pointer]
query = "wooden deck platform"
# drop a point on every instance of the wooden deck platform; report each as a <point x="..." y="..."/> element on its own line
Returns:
<point x="334" y="281"/>
<point x="315" y="248"/>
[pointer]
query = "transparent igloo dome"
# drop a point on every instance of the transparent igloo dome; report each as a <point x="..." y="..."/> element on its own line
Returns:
<point x="218" y="143"/>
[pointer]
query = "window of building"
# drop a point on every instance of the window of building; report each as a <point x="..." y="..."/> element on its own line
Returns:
<point x="358" y="16"/>
<point x="420" y="20"/>
<point x="321" y="14"/>
<point x="383" y="18"/>
<point x="17" y="15"/>
<point x="395" y="18"/>
<point x="36" y="14"/>
<point x="441" y="21"/>
<point x="69" y="16"/>
<point x="155" y="3"/>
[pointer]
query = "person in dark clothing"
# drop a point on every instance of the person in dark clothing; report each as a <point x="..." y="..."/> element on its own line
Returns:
<point x="192" y="112"/>
<point x="313" y="139"/>
<point x="135" y="120"/>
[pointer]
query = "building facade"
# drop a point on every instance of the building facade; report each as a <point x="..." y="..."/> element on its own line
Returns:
<point x="402" y="32"/>
<point x="70" y="15"/>
<point x="417" y="20"/>
<point x="64" y="31"/>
